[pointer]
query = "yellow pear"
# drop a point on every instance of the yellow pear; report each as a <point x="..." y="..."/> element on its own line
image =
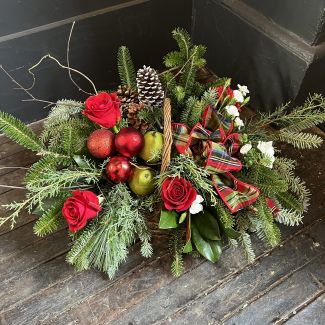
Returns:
<point x="153" y="146"/>
<point x="142" y="180"/>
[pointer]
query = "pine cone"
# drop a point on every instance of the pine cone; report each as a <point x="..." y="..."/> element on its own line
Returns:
<point x="149" y="87"/>
<point x="133" y="119"/>
<point x="127" y="96"/>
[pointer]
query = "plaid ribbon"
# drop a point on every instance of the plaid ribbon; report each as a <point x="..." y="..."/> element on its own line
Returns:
<point x="215" y="150"/>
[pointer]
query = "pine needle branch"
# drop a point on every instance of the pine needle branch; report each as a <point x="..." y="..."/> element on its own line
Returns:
<point x="126" y="68"/>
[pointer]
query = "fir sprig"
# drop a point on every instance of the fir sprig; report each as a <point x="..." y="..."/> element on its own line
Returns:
<point x="126" y="68"/>
<point x="176" y="246"/>
<point x="19" y="132"/>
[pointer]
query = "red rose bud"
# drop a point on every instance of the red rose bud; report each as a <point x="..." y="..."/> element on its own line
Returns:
<point x="103" y="109"/>
<point x="79" y="208"/>
<point x="177" y="194"/>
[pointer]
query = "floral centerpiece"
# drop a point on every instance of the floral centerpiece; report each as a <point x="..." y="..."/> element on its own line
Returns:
<point x="174" y="145"/>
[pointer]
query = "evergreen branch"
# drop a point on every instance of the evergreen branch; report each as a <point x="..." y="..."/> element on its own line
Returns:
<point x="183" y="40"/>
<point x="62" y="111"/>
<point x="126" y="68"/>
<point x="176" y="250"/>
<point x="289" y="218"/>
<point x="246" y="243"/>
<point x="264" y="223"/>
<point x="289" y="202"/>
<point x="19" y="132"/>
<point x="49" y="221"/>
<point x="300" y="140"/>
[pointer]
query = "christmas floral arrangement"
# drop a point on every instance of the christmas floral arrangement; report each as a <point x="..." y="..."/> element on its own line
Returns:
<point x="172" y="149"/>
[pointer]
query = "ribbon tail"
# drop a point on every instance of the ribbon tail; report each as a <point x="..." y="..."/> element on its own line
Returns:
<point x="234" y="193"/>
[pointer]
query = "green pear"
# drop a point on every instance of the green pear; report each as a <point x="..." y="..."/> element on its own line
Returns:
<point x="153" y="146"/>
<point x="142" y="180"/>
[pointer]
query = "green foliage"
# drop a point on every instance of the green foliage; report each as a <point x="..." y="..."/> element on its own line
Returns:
<point x="266" y="179"/>
<point x="186" y="63"/>
<point x="17" y="131"/>
<point x="264" y="224"/>
<point x="310" y="113"/>
<point x="104" y="243"/>
<point x="149" y="115"/>
<point x="44" y="181"/>
<point x="126" y="68"/>
<point x="289" y="202"/>
<point x="62" y="111"/>
<point x="299" y="140"/>
<point x="285" y="167"/>
<point x="194" y="107"/>
<point x="246" y="243"/>
<point x="49" y="221"/>
<point x="176" y="245"/>
<point x="289" y="217"/>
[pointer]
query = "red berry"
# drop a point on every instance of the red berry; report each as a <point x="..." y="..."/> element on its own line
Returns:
<point x="119" y="169"/>
<point x="100" y="143"/>
<point x="129" y="142"/>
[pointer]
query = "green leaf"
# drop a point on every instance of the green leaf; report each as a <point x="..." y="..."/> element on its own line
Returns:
<point x="210" y="249"/>
<point x="80" y="161"/>
<point x="188" y="247"/>
<point x="168" y="219"/>
<point x="182" y="217"/>
<point x="207" y="225"/>
<point x="228" y="231"/>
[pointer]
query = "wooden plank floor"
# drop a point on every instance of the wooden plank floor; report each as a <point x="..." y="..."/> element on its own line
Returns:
<point x="284" y="284"/>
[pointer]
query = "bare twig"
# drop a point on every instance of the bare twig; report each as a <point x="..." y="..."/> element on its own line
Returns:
<point x="49" y="56"/>
<point x="68" y="62"/>
<point x="26" y="90"/>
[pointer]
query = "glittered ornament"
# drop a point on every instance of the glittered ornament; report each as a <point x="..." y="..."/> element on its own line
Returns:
<point x="100" y="143"/>
<point x="119" y="169"/>
<point x="129" y="142"/>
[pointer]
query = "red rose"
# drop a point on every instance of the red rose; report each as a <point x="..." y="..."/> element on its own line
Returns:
<point x="177" y="194"/>
<point x="103" y="109"/>
<point x="79" y="208"/>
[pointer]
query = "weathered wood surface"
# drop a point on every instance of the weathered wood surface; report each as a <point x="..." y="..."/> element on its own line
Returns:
<point x="284" y="285"/>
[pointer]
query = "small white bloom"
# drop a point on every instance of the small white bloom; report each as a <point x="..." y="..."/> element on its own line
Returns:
<point x="196" y="206"/>
<point x="243" y="89"/>
<point x="232" y="110"/>
<point x="245" y="148"/>
<point x="239" y="122"/>
<point x="238" y="96"/>
<point x="266" y="148"/>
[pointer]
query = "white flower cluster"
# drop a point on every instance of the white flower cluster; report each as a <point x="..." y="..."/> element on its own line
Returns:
<point x="232" y="110"/>
<point x="196" y="206"/>
<point x="266" y="148"/>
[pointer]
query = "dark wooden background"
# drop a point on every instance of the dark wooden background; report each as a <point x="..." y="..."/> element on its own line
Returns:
<point x="31" y="29"/>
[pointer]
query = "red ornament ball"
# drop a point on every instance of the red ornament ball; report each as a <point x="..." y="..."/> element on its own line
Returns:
<point x="100" y="143"/>
<point x="129" y="142"/>
<point x="119" y="169"/>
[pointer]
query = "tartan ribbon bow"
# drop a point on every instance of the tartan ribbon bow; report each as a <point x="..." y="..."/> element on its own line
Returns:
<point x="215" y="150"/>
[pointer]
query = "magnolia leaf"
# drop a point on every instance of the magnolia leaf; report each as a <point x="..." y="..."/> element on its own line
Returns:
<point x="210" y="249"/>
<point x="207" y="225"/>
<point x="188" y="248"/>
<point x="168" y="219"/>
<point x="229" y="232"/>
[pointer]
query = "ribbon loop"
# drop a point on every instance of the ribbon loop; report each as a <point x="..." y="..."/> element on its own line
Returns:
<point x="216" y="148"/>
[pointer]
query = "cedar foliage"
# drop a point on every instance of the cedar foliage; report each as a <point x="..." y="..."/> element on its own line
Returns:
<point x="104" y="243"/>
